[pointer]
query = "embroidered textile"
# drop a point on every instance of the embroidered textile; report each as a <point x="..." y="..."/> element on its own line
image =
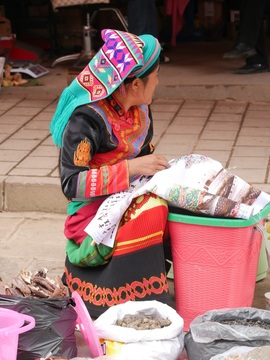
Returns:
<point x="193" y="182"/>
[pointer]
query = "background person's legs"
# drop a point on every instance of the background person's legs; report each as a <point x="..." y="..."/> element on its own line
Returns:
<point x="142" y="19"/>
<point x="259" y="61"/>
<point x="250" y="29"/>
<point x="251" y="19"/>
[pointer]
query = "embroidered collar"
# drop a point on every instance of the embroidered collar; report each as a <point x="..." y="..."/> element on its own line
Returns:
<point x="126" y="116"/>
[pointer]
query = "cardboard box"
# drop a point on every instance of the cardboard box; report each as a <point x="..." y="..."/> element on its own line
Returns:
<point x="69" y="37"/>
<point x="210" y="13"/>
<point x="5" y="27"/>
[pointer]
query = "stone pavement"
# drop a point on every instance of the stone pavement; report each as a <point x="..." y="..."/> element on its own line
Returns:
<point x="31" y="240"/>
<point x="222" y="116"/>
<point x="236" y="133"/>
<point x="200" y="106"/>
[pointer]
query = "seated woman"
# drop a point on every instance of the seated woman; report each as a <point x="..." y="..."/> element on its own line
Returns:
<point x="103" y="126"/>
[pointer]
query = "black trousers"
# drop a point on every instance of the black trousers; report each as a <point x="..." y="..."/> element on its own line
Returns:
<point x="251" y="28"/>
<point x="142" y="17"/>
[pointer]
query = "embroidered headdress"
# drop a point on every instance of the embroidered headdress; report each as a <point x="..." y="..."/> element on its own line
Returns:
<point x="122" y="55"/>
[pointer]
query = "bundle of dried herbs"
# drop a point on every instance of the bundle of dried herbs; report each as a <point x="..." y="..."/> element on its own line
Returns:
<point x="35" y="285"/>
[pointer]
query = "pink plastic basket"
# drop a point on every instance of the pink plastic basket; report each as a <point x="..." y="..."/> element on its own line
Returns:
<point x="215" y="262"/>
<point x="12" y="324"/>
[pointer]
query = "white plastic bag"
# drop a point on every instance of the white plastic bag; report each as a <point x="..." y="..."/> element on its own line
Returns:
<point x="217" y="331"/>
<point x="208" y="327"/>
<point x="235" y="351"/>
<point x="166" y="343"/>
<point x="245" y="353"/>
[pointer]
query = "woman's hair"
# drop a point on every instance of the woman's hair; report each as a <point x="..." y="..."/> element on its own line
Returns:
<point x="144" y="77"/>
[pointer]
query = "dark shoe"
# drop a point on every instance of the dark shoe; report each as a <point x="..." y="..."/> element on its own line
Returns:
<point x="252" y="69"/>
<point x="164" y="46"/>
<point x="240" y="50"/>
<point x="164" y="59"/>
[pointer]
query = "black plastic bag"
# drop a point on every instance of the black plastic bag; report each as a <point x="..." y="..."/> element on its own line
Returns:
<point x="217" y="331"/>
<point x="54" y="332"/>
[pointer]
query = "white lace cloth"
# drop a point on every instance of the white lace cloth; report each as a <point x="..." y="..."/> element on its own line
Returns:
<point x="193" y="182"/>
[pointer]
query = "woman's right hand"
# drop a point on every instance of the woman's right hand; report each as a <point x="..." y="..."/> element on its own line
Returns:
<point x="147" y="165"/>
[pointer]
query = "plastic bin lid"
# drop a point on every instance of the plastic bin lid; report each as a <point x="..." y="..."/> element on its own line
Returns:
<point x="87" y="326"/>
<point x="196" y="219"/>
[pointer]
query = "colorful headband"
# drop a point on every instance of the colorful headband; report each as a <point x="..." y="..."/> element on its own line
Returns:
<point x="122" y="55"/>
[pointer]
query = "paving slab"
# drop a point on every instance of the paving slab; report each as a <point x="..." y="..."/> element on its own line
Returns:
<point x="200" y="106"/>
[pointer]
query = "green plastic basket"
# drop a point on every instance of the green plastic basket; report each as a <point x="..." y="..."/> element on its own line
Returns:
<point x="199" y="219"/>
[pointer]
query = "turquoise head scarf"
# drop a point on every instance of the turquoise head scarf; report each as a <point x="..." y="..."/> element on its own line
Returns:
<point x="122" y="55"/>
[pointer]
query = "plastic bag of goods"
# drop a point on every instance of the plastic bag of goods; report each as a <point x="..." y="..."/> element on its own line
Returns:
<point x="141" y="330"/>
<point x="218" y="331"/>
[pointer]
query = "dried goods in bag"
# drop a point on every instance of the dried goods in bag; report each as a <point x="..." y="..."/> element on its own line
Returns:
<point x="164" y="342"/>
<point x="218" y="331"/>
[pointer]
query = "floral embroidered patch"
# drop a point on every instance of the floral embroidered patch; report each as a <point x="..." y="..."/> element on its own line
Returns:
<point x="82" y="153"/>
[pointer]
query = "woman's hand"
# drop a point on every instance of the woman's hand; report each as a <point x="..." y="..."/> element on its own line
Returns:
<point x="147" y="165"/>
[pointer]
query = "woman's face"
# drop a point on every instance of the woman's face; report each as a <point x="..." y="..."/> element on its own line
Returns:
<point x="146" y="92"/>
